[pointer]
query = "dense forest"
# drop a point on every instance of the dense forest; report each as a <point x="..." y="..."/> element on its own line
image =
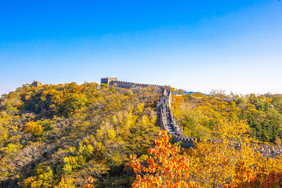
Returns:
<point x="68" y="132"/>
<point x="233" y="157"/>
<point x="60" y="135"/>
<point x="199" y="113"/>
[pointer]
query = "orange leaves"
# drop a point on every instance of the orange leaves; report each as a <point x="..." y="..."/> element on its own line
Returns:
<point x="89" y="183"/>
<point x="273" y="179"/>
<point x="86" y="141"/>
<point x="135" y="164"/>
<point x="165" y="167"/>
<point x="215" y="164"/>
<point x="78" y="89"/>
<point x="88" y="186"/>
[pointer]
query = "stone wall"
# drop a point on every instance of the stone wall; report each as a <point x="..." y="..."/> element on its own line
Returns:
<point x="108" y="80"/>
<point x="170" y="124"/>
<point x="129" y="85"/>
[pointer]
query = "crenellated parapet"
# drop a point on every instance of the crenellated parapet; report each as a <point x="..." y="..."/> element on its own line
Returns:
<point x="113" y="82"/>
<point x="129" y="85"/>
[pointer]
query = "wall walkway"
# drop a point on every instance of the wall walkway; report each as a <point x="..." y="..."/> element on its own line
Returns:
<point x="169" y="123"/>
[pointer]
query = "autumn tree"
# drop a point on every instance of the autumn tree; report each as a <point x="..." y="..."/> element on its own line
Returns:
<point x="165" y="167"/>
<point x="33" y="128"/>
<point x="230" y="160"/>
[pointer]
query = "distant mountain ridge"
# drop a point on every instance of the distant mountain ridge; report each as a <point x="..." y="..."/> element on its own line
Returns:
<point x="189" y="92"/>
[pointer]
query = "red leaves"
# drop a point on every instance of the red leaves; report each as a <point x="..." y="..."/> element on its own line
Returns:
<point x="89" y="183"/>
<point x="273" y="179"/>
<point x="135" y="164"/>
<point x="167" y="168"/>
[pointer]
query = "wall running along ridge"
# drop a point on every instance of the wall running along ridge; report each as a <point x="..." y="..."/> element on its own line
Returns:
<point x="129" y="85"/>
<point x="170" y="124"/>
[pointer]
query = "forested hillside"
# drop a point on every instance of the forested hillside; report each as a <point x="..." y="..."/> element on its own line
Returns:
<point x="61" y="134"/>
<point x="233" y="158"/>
<point x="199" y="113"/>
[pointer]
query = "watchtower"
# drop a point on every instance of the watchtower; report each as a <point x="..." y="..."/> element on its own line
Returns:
<point x="108" y="80"/>
<point x="36" y="84"/>
<point x="165" y="99"/>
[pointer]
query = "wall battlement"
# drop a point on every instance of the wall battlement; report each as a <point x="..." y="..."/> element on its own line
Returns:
<point x="128" y="85"/>
<point x="123" y="84"/>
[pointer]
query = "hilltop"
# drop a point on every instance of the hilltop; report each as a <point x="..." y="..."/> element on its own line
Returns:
<point x="61" y="134"/>
<point x="73" y="131"/>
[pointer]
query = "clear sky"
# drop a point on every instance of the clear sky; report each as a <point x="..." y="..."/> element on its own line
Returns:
<point x="232" y="45"/>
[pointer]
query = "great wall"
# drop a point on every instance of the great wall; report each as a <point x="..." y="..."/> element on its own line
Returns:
<point x="169" y="123"/>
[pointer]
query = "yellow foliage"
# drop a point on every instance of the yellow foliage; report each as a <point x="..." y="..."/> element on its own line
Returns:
<point x="229" y="161"/>
<point x="44" y="179"/>
<point x="111" y="134"/>
<point x="29" y="181"/>
<point x="140" y="108"/>
<point x="68" y="183"/>
<point x="33" y="128"/>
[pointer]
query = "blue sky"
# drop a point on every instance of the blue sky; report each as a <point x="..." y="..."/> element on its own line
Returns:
<point x="233" y="45"/>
